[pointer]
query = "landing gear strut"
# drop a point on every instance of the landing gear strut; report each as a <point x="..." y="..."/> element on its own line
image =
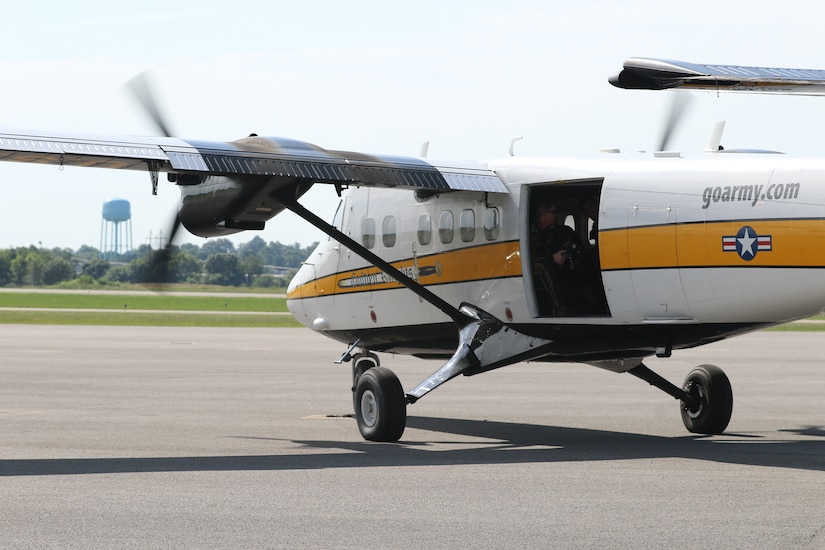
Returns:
<point x="706" y="398"/>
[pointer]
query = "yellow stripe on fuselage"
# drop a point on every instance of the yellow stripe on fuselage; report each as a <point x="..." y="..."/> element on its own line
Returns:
<point x="492" y="261"/>
<point x="794" y="243"/>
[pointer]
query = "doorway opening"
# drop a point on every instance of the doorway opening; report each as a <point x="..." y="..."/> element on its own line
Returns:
<point x="561" y="239"/>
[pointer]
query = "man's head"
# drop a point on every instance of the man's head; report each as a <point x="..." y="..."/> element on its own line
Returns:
<point x="546" y="215"/>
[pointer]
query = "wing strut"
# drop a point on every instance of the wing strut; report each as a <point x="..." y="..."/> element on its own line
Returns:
<point x="485" y="342"/>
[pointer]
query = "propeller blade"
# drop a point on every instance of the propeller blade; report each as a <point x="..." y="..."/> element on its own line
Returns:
<point x="678" y="106"/>
<point x="158" y="269"/>
<point x="141" y="89"/>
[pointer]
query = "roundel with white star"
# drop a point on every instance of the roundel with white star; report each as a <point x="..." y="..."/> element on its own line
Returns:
<point x="747" y="242"/>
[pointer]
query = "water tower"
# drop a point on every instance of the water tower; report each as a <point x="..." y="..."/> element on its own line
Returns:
<point x="115" y="228"/>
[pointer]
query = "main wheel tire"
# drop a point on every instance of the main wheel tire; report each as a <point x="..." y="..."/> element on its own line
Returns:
<point x="380" y="405"/>
<point x="361" y="366"/>
<point x="713" y="406"/>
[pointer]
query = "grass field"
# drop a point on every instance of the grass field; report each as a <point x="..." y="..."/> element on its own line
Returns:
<point x="170" y="319"/>
<point x="150" y="300"/>
<point x="159" y="309"/>
<point x="151" y="309"/>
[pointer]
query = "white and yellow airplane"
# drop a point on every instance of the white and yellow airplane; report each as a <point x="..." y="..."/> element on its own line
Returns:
<point x="442" y="259"/>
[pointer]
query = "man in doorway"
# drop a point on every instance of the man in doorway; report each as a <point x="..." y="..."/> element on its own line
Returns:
<point x="553" y="257"/>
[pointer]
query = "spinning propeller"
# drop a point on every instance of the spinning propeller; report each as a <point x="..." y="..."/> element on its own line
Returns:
<point x="140" y="88"/>
<point x="678" y="107"/>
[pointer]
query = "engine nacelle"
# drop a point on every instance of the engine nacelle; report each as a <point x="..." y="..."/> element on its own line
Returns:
<point x="220" y="205"/>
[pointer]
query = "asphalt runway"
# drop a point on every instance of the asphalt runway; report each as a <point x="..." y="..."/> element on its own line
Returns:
<point x="122" y="437"/>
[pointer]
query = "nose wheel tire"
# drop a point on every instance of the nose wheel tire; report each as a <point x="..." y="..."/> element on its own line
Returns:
<point x="712" y="406"/>
<point x="380" y="405"/>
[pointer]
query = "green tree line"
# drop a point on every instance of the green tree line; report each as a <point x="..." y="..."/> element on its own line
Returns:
<point x="256" y="263"/>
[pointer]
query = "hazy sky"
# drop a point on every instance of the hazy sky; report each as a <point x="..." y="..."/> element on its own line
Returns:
<point x="378" y="77"/>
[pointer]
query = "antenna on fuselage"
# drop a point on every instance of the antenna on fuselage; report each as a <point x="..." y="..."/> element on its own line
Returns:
<point x="512" y="144"/>
<point x="425" y="148"/>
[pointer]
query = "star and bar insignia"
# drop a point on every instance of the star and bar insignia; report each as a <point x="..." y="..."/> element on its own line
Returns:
<point x="747" y="243"/>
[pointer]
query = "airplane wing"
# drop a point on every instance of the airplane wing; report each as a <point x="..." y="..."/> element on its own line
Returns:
<point x="251" y="156"/>
<point x="641" y="73"/>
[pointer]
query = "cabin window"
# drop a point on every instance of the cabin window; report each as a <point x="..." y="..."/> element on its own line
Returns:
<point x="492" y="224"/>
<point x="425" y="229"/>
<point x="368" y="232"/>
<point x="591" y="234"/>
<point x="446" y="227"/>
<point x="388" y="231"/>
<point x="467" y="225"/>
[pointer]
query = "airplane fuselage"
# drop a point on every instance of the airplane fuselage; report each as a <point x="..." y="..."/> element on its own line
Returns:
<point x="687" y="250"/>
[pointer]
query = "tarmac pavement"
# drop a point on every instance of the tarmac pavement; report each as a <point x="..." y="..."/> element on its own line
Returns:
<point x="124" y="437"/>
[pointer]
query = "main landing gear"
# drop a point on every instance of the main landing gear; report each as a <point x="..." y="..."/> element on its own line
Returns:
<point x="712" y="405"/>
<point x="706" y="397"/>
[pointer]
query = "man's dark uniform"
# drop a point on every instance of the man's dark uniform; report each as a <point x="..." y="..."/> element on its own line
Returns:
<point x="553" y="283"/>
